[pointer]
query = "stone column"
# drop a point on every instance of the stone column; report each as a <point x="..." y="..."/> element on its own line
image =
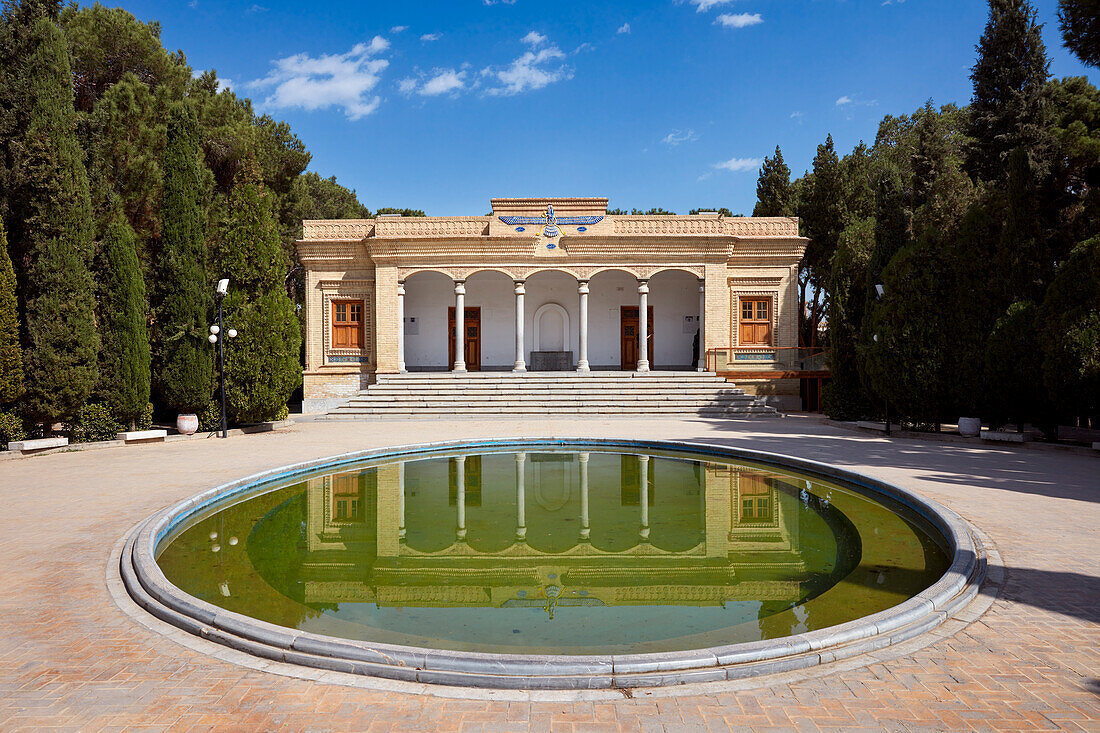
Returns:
<point x="643" y="325"/>
<point x="702" y="365"/>
<point x="401" y="326"/>
<point x="585" y="529"/>
<point x="582" y="358"/>
<point x="401" y="501"/>
<point x="460" y="490"/>
<point x="643" y="496"/>
<point x="520" y="365"/>
<point x="460" y="326"/>
<point x="521" y="497"/>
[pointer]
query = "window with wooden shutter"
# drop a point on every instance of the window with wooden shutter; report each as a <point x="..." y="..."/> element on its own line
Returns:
<point x="347" y="324"/>
<point x="756" y="322"/>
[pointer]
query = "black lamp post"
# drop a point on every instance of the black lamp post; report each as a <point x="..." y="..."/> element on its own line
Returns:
<point x="216" y="338"/>
<point x="881" y="291"/>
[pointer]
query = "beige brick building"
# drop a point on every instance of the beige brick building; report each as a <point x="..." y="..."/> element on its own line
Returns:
<point x="549" y="284"/>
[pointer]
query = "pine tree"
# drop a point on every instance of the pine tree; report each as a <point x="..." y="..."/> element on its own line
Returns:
<point x="774" y="196"/>
<point x="124" y="360"/>
<point x="1009" y="108"/>
<point x="183" y="367"/>
<point x="1080" y="24"/>
<point x="11" y="356"/>
<point x="262" y="365"/>
<point x="53" y="241"/>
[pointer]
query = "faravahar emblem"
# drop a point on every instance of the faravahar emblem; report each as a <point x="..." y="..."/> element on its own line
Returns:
<point x="550" y="223"/>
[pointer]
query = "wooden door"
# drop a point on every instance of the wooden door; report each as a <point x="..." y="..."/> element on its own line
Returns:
<point x="472" y="346"/>
<point x="628" y="319"/>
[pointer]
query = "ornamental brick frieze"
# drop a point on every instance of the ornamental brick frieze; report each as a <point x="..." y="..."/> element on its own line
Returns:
<point x="346" y="229"/>
<point x="776" y="226"/>
<point x="338" y="252"/>
<point x="432" y="226"/>
<point x="645" y="225"/>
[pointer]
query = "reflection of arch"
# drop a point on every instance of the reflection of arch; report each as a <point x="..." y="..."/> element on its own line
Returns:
<point x="551" y="327"/>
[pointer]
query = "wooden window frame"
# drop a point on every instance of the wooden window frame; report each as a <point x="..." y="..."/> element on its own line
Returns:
<point x="756" y="320"/>
<point x="338" y="328"/>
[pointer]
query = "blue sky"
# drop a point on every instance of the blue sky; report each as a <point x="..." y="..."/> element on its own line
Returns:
<point x="442" y="105"/>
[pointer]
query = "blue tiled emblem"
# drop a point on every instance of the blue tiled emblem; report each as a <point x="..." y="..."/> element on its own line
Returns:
<point x="550" y="223"/>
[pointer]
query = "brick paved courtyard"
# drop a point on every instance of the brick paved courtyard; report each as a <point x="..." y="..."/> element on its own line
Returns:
<point x="71" y="658"/>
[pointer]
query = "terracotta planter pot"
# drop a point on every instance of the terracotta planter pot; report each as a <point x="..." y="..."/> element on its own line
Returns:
<point x="971" y="427"/>
<point x="187" y="424"/>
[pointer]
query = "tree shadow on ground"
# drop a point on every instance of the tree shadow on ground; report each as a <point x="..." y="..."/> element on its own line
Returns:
<point x="1058" y="475"/>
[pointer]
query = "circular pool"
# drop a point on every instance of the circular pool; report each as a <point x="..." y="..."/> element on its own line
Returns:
<point x="555" y="563"/>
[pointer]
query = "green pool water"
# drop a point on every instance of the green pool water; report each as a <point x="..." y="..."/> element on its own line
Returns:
<point x="556" y="551"/>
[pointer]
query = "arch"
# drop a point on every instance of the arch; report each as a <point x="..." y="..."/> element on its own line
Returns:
<point x="427" y="272"/>
<point x="695" y="273"/>
<point x="633" y="272"/>
<point x="428" y="295"/>
<point x="551" y="327"/>
<point x="674" y="296"/>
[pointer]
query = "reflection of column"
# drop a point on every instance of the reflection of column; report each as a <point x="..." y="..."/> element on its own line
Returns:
<point x="643" y="325"/>
<point x="460" y="326"/>
<point x="643" y="493"/>
<point x="401" y="501"/>
<point x="460" y="484"/>
<point x="702" y="365"/>
<point x="582" y="359"/>
<point x="520" y="365"/>
<point x="585" y="530"/>
<point x="521" y="496"/>
<point x="401" y="326"/>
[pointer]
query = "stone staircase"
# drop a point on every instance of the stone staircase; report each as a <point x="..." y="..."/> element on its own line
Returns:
<point x="479" y="394"/>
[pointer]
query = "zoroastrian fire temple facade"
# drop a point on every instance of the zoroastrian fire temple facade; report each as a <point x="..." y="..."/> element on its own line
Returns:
<point x="541" y="283"/>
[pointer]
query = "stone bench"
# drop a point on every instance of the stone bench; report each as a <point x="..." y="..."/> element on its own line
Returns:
<point x="38" y="444"/>
<point x="142" y="436"/>
<point x="1005" y="436"/>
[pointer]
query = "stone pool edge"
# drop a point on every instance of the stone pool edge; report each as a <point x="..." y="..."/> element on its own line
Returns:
<point x="148" y="587"/>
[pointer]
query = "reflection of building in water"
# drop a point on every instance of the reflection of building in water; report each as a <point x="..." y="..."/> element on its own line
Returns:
<point x="509" y="529"/>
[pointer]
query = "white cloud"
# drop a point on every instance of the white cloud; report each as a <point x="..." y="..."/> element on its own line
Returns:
<point x="429" y="37"/>
<point x="739" y="165"/>
<point x="399" y="28"/>
<point x="407" y="85"/>
<point x="797" y="115"/>
<point x="702" y="6"/>
<point x="847" y="100"/>
<point x="586" y="46"/>
<point x="257" y="9"/>
<point x="624" y="28"/>
<point x="501" y="2"/>
<point x="676" y="137"/>
<point x="738" y="20"/>
<point x="534" y="38"/>
<point x="843" y="101"/>
<point x="329" y="80"/>
<point x="533" y="70"/>
<point x="445" y="81"/>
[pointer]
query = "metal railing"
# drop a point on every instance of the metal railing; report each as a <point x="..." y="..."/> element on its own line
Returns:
<point x="767" y="358"/>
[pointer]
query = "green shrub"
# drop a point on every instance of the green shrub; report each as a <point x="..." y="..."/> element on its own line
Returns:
<point x="95" y="422"/>
<point x="210" y="419"/>
<point x="11" y="428"/>
<point x="844" y="401"/>
<point x="145" y="420"/>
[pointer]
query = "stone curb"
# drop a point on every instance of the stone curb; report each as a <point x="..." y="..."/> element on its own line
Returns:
<point x="956" y="439"/>
<point x="148" y="586"/>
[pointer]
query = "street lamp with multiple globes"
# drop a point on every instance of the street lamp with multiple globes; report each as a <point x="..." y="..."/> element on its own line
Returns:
<point x="216" y="338"/>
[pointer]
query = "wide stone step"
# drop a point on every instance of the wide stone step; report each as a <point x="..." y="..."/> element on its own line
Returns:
<point x="543" y="394"/>
<point x="609" y="411"/>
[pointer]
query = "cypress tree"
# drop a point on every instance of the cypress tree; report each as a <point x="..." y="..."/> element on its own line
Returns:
<point x="49" y="200"/>
<point x="11" y="356"/>
<point x="1021" y="262"/>
<point x="124" y="360"/>
<point x="262" y="367"/>
<point x="1009" y="107"/>
<point x="774" y="196"/>
<point x="183" y="368"/>
<point x="824" y="215"/>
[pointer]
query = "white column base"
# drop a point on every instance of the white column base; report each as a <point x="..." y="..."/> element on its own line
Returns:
<point x="643" y="365"/>
<point x="519" y="367"/>
<point x="582" y="366"/>
<point x="460" y="366"/>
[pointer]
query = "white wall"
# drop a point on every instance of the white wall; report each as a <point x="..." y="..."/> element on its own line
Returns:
<point x="494" y="293"/>
<point x="673" y="295"/>
<point x="551" y="287"/>
<point x="428" y="295"/>
<point x="608" y="291"/>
